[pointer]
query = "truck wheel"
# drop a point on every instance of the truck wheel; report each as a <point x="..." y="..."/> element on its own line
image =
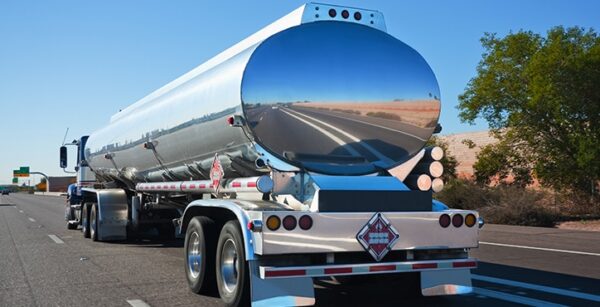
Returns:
<point x="85" y="220"/>
<point x="70" y="217"/>
<point x="232" y="270"/>
<point x="94" y="222"/>
<point x="200" y="244"/>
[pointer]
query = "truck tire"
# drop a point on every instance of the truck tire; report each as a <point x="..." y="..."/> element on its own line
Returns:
<point x="70" y="216"/>
<point x="199" y="247"/>
<point x="85" y="220"/>
<point x="232" y="270"/>
<point x="94" y="222"/>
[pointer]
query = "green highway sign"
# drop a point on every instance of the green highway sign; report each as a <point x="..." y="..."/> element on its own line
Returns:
<point x="23" y="171"/>
<point x="15" y="180"/>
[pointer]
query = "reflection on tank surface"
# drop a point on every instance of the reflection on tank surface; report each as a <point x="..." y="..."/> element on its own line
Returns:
<point x="352" y="105"/>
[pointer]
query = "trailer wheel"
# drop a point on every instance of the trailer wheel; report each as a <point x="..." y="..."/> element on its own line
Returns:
<point x="85" y="220"/>
<point x="94" y="222"/>
<point x="232" y="270"/>
<point x="200" y="245"/>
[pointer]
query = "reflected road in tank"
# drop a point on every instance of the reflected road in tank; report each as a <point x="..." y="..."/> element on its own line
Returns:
<point x="335" y="133"/>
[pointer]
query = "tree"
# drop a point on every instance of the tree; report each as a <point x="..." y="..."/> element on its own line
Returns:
<point x="541" y="98"/>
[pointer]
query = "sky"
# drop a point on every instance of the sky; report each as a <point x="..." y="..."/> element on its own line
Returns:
<point x="72" y="64"/>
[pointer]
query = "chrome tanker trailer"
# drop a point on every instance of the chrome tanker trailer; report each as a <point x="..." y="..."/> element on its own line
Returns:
<point x="297" y="153"/>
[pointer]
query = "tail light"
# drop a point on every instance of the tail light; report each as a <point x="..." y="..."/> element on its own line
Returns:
<point x="273" y="222"/>
<point x="305" y="222"/>
<point x="457" y="220"/>
<point x="332" y="13"/>
<point x="289" y="222"/>
<point x="345" y="14"/>
<point x="470" y="220"/>
<point x="444" y="220"/>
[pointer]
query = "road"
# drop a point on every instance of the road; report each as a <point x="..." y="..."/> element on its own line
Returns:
<point x="326" y="133"/>
<point x="44" y="264"/>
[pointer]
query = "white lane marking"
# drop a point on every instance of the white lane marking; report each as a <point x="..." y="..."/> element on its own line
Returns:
<point x="351" y="150"/>
<point x="382" y="127"/>
<point x="20" y="211"/>
<point x="137" y="303"/>
<point x="541" y="248"/>
<point x="368" y="147"/>
<point x="31" y="220"/>
<point x="56" y="239"/>
<point x="513" y="298"/>
<point x="585" y="296"/>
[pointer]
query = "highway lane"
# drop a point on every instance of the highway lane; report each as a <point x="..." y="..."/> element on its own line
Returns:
<point x="38" y="270"/>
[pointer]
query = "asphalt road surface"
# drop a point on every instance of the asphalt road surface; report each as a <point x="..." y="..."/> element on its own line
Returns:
<point x="44" y="264"/>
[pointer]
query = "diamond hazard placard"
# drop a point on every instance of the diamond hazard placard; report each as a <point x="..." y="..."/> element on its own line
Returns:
<point x="378" y="236"/>
<point x="216" y="173"/>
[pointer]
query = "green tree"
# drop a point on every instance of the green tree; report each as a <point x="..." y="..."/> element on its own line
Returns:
<point x="541" y="98"/>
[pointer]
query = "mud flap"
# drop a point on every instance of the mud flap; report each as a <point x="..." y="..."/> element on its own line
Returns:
<point x="297" y="291"/>
<point x="446" y="282"/>
<point x="112" y="214"/>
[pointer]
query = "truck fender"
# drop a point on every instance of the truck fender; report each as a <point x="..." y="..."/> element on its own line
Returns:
<point x="112" y="212"/>
<point x="219" y="209"/>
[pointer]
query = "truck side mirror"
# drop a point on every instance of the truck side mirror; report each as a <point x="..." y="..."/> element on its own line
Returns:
<point x="63" y="157"/>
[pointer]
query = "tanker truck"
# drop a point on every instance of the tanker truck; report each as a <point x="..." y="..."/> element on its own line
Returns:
<point x="297" y="153"/>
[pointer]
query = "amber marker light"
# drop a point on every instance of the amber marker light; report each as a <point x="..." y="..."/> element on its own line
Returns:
<point x="273" y="222"/>
<point x="470" y="220"/>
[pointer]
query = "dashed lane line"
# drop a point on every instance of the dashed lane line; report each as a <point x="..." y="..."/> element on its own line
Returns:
<point x="56" y="239"/>
<point x="513" y="298"/>
<point x="137" y="303"/>
<point x="540" y="248"/>
<point x="585" y="296"/>
<point x="31" y="220"/>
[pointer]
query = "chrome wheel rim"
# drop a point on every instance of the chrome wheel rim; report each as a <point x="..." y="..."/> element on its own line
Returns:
<point x="93" y="222"/>
<point x="229" y="266"/>
<point x="194" y="256"/>
<point x="84" y="221"/>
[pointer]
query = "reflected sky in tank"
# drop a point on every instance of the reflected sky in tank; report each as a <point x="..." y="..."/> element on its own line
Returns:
<point x="336" y="62"/>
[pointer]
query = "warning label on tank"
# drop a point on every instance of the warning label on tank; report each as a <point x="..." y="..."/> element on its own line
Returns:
<point x="216" y="173"/>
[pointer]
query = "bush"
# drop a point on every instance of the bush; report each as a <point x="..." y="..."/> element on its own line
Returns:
<point x="501" y="204"/>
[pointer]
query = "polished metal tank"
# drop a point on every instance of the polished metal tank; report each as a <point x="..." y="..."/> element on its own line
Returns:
<point x="315" y="91"/>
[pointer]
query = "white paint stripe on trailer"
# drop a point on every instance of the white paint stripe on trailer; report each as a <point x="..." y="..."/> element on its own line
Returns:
<point x="137" y="303"/>
<point x="340" y="142"/>
<point x="31" y="220"/>
<point x="56" y="239"/>
<point x="513" y="298"/>
<point x="540" y="248"/>
<point x="585" y="296"/>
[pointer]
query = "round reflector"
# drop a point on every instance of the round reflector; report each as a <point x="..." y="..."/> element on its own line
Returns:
<point x="332" y="13"/>
<point x="289" y="222"/>
<point x="273" y="222"/>
<point x="357" y="16"/>
<point x="470" y="220"/>
<point x="444" y="220"/>
<point x="345" y="14"/>
<point x="305" y="222"/>
<point x="457" y="220"/>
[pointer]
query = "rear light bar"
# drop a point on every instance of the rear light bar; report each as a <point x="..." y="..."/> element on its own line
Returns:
<point x="360" y="269"/>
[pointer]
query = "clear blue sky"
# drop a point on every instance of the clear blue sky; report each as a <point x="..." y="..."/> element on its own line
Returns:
<point x="75" y="63"/>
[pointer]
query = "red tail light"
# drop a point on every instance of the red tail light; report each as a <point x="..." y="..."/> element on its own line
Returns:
<point x="457" y="220"/>
<point x="305" y="222"/>
<point x="444" y="220"/>
<point x="289" y="222"/>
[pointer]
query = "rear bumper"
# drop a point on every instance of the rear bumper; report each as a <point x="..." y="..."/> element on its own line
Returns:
<point x="268" y="272"/>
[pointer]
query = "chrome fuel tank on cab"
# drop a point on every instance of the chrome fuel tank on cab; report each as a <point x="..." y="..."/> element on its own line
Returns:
<point x="331" y="95"/>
